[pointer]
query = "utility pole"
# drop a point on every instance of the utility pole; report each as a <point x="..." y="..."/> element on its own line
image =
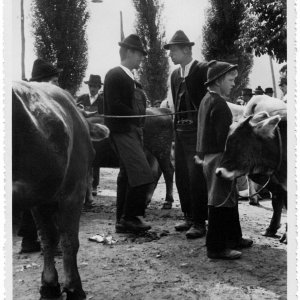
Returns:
<point x="121" y="26"/>
<point x="273" y="77"/>
<point x="22" y="41"/>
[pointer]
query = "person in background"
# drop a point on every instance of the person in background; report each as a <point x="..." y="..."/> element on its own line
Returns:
<point x="92" y="105"/>
<point x="259" y="91"/>
<point x="93" y="101"/>
<point x="245" y="97"/>
<point x="269" y="92"/>
<point x="224" y="233"/>
<point x="42" y="71"/>
<point x="123" y="96"/>
<point x="187" y="87"/>
<point x="283" y="87"/>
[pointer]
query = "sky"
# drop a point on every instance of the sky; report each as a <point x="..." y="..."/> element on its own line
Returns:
<point x="103" y="33"/>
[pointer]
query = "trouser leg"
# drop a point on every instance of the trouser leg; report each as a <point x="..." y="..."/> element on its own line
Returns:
<point x="182" y="177"/>
<point x="216" y="233"/>
<point x="122" y="184"/>
<point x="198" y="192"/>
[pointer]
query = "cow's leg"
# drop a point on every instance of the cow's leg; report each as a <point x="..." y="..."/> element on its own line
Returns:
<point x="70" y="209"/>
<point x="156" y="172"/>
<point x="252" y="189"/>
<point x="278" y="200"/>
<point x="95" y="182"/>
<point x="89" y="199"/>
<point x="168" y="172"/>
<point x="45" y="220"/>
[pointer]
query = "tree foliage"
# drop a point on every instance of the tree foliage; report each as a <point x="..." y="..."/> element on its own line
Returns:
<point x="60" y="37"/>
<point x="155" y="68"/>
<point x="264" y="28"/>
<point x="220" y="33"/>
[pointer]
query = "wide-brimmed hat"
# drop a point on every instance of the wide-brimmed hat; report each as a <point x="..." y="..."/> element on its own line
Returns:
<point x="42" y="69"/>
<point x="94" y="80"/>
<point x="216" y="69"/>
<point x="247" y="92"/>
<point x="259" y="91"/>
<point x="134" y="42"/>
<point x="179" y="38"/>
<point x="269" y="90"/>
<point x="282" y="81"/>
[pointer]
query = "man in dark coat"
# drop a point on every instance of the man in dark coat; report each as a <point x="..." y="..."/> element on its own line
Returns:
<point x="214" y="119"/>
<point x="187" y="86"/>
<point x="42" y="71"/>
<point x="124" y="98"/>
<point x="92" y="102"/>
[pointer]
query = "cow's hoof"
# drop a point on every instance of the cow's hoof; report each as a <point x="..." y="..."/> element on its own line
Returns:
<point x="74" y="295"/>
<point x="283" y="239"/>
<point x="254" y="201"/>
<point x="167" y="205"/>
<point x="270" y="233"/>
<point x="94" y="192"/>
<point x="50" y="292"/>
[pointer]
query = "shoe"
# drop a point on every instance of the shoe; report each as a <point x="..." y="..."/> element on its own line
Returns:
<point x="225" y="254"/>
<point x="243" y="243"/>
<point x="196" y="231"/>
<point x="184" y="226"/>
<point x="30" y="246"/>
<point x="133" y="224"/>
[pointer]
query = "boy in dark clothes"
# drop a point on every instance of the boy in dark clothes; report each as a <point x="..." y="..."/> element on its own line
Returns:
<point x="214" y="119"/>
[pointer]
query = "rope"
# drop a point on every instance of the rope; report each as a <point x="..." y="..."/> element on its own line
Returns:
<point x="146" y="116"/>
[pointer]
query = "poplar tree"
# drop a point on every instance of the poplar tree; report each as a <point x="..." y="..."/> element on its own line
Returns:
<point x="154" y="70"/>
<point x="220" y="34"/>
<point x="59" y="28"/>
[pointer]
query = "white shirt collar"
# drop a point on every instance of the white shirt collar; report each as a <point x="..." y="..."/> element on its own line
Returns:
<point x="184" y="71"/>
<point x="127" y="71"/>
<point x="93" y="98"/>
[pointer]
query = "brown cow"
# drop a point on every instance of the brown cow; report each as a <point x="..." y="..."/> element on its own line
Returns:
<point x="52" y="152"/>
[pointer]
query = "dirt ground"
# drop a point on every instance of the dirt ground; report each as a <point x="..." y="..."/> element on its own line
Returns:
<point x="163" y="264"/>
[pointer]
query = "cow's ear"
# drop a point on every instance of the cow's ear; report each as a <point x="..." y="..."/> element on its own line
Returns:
<point x="267" y="127"/>
<point x="263" y="115"/>
<point x="98" y="132"/>
<point x="246" y="121"/>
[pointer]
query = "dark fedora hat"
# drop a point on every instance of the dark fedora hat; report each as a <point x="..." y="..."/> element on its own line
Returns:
<point x="247" y="92"/>
<point x="94" y="80"/>
<point x="268" y="90"/>
<point x="134" y="42"/>
<point x="259" y="91"/>
<point x="42" y="69"/>
<point x="179" y="38"/>
<point x="216" y="69"/>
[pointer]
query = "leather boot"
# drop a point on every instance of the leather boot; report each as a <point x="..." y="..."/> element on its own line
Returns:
<point x="196" y="231"/>
<point x="185" y="225"/>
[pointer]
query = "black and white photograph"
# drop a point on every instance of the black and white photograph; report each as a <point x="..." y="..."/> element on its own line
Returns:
<point x="149" y="150"/>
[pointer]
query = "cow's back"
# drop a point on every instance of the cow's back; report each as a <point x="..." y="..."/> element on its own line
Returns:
<point x="51" y="145"/>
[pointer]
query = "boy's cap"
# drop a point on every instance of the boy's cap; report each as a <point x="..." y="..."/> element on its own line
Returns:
<point x="216" y="69"/>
